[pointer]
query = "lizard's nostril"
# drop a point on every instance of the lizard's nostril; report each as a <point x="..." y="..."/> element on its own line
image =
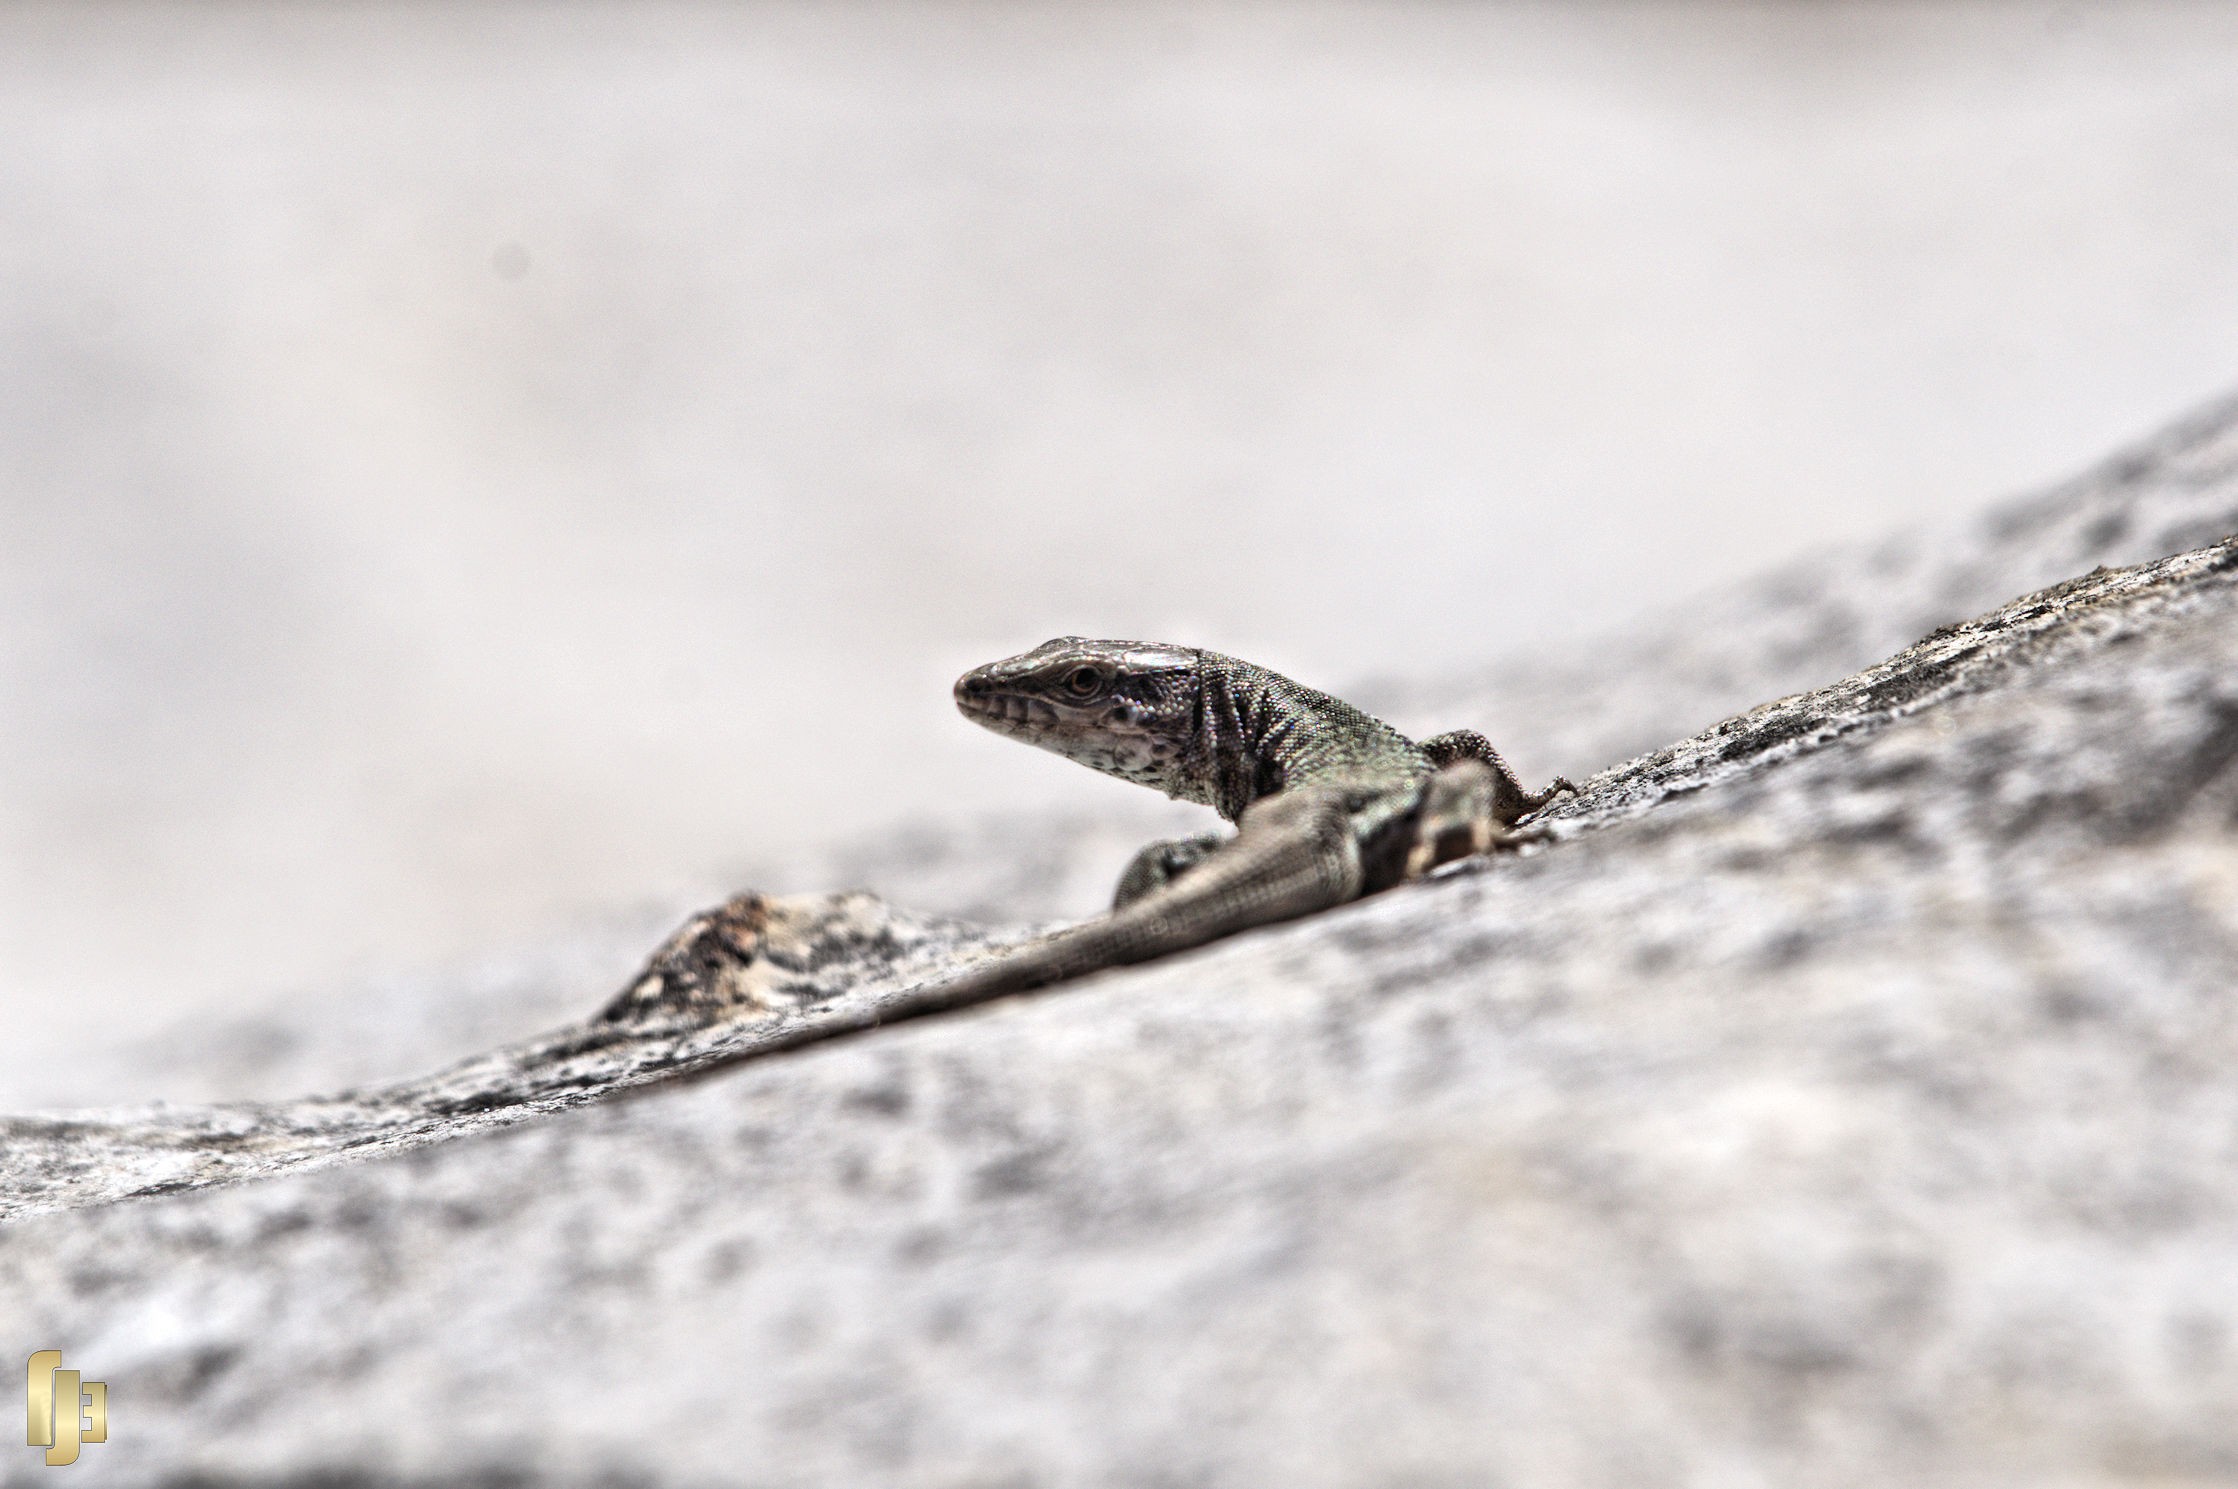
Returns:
<point x="971" y="685"/>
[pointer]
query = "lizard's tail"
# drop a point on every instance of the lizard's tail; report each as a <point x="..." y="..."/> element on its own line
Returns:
<point x="1294" y="853"/>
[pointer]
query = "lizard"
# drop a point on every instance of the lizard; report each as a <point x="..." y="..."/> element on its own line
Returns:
<point x="1329" y="804"/>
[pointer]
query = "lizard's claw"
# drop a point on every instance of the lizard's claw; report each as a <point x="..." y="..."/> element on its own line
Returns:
<point x="1559" y="786"/>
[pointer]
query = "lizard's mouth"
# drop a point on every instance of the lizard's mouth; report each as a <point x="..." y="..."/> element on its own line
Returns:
<point x="1008" y="713"/>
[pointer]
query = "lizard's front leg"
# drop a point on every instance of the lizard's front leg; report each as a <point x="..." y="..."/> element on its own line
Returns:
<point x="1294" y="853"/>
<point x="1163" y="862"/>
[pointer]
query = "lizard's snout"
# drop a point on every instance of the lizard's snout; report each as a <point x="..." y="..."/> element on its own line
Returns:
<point x="984" y="698"/>
<point x="978" y="699"/>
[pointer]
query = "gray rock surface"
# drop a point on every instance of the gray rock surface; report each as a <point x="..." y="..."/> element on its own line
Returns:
<point x="1845" y="1097"/>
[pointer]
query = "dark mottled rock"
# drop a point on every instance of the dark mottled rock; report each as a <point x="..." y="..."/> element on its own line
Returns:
<point x="1844" y="1097"/>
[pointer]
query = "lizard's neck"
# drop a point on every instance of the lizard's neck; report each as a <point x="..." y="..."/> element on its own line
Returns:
<point x="1257" y="732"/>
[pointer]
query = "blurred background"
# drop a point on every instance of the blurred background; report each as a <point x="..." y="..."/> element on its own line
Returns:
<point x="467" y="467"/>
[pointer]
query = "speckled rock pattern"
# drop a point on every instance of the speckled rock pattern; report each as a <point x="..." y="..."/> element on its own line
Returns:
<point x="754" y="976"/>
<point x="1845" y="1097"/>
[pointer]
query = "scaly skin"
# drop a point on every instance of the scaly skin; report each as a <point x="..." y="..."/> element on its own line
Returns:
<point x="1329" y="804"/>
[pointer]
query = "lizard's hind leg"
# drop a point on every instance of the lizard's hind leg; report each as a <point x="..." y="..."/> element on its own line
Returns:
<point x="1466" y="810"/>
<point x="1161" y="863"/>
<point x="1513" y="801"/>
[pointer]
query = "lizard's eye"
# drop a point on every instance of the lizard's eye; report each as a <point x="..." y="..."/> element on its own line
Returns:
<point x="1082" y="682"/>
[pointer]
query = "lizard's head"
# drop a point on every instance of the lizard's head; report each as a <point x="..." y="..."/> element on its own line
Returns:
<point x="1127" y="708"/>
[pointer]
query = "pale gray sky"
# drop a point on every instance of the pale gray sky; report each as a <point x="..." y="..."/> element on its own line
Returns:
<point x="462" y="465"/>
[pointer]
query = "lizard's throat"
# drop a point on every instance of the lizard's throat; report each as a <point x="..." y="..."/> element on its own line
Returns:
<point x="1143" y="758"/>
<point x="1141" y="754"/>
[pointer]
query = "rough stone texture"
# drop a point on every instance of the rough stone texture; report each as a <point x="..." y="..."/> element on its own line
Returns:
<point x="1846" y="1097"/>
<point x="1800" y="626"/>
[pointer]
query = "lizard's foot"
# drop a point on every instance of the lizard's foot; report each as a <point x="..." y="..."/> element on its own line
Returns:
<point x="1466" y="809"/>
<point x="1161" y="863"/>
<point x="1558" y="786"/>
